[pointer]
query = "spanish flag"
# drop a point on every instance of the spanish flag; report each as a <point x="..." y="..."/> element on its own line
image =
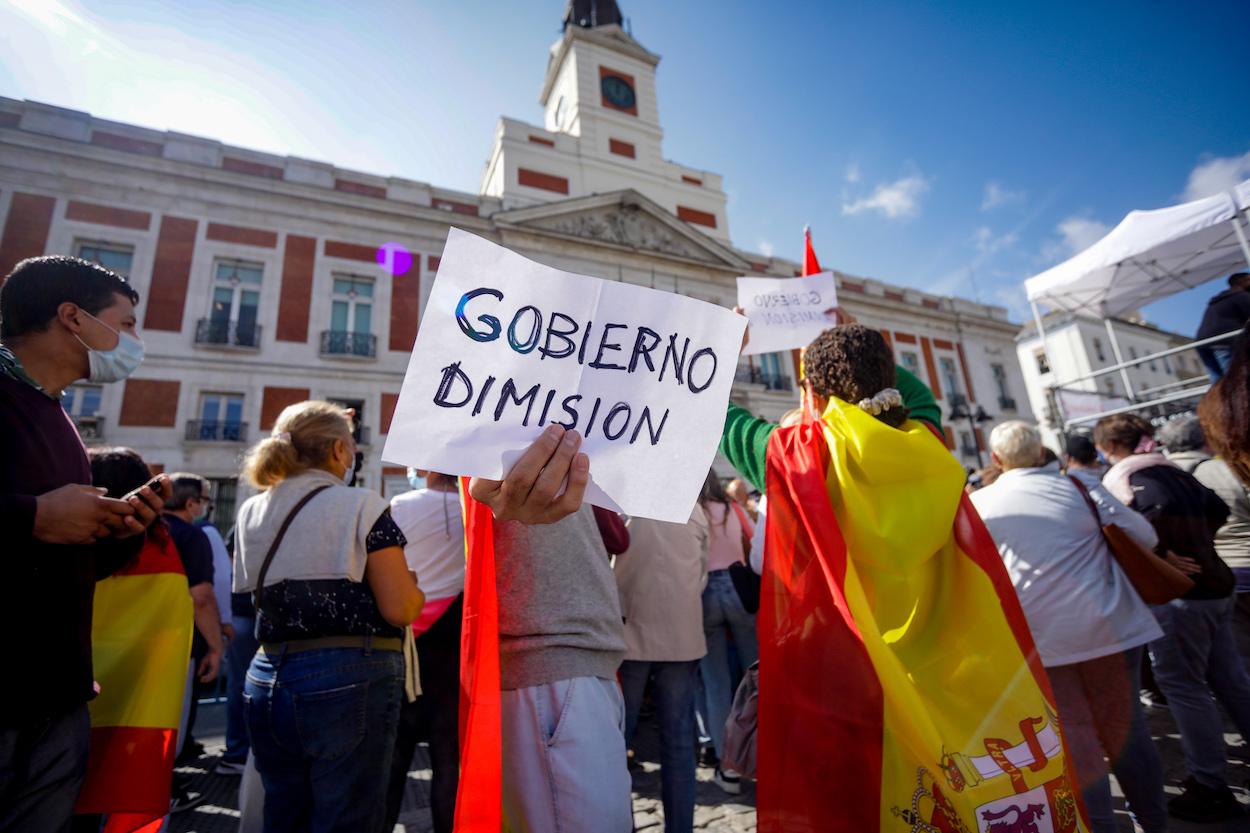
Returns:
<point x="141" y="644"/>
<point x="899" y="686"/>
<point x="479" y="796"/>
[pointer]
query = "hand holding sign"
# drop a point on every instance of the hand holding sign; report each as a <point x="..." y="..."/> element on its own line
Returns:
<point x="508" y="347"/>
<point x="786" y="313"/>
<point x="531" y="491"/>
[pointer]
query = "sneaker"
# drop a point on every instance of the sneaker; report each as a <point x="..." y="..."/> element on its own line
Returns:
<point x="728" y="780"/>
<point x="1205" y="805"/>
<point x="1152" y="698"/>
<point x="707" y="756"/>
<point x="184" y="799"/>
<point x="225" y="767"/>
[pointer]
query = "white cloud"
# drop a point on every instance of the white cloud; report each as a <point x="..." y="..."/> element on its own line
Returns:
<point x="894" y="200"/>
<point x="996" y="195"/>
<point x="765" y="247"/>
<point x="1076" y="234"/>
<point x="852" y="172"/>
<point x="987" y="244"/>
<point x="1217" y="175"/>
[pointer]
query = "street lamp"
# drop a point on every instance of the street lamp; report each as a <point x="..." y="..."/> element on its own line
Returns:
<point x="962" y="409"/>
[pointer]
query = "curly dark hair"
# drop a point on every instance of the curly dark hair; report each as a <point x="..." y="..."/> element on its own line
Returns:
<point x="852" y="362"/>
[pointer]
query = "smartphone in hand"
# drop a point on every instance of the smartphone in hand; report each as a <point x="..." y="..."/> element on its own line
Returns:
<point x="156" y="484"/>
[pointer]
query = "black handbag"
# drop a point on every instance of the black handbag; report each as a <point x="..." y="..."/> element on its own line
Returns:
<point x="745" y="580"/>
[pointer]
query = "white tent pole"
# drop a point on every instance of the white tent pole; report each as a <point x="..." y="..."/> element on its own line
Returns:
<point x="1041" y="331"/>
<point x="1241" y="238"/>
<point x="1119" y="359"/>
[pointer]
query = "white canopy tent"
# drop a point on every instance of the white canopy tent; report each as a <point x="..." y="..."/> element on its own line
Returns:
<point x="1149" y="256"/>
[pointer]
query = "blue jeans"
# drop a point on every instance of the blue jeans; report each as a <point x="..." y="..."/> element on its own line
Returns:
<point x="1216" y="358"/>
<point x="42" y="766"/>
<point x="723" y="614"/>
<point x="674" y="705"/>
<point x="1196" y="658"/>
<point x="238" y="658"/>
<point x="322" y="725"/>
<point x="1102" y="715"/>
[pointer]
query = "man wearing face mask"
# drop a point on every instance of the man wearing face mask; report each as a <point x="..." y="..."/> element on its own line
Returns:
<point x="61" y="319"/>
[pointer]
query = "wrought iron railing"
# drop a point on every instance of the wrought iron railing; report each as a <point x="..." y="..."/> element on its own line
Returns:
<point x="216" y="431"/>
<point x="227" y="333"/>
<point x="336" y="343"/>
<point x="957" y="400"/>
<point x="361" y="435"/>
<point x="90" y="428"/>
<point x="1006" y="403"/>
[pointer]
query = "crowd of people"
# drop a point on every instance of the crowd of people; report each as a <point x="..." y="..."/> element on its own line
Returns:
<point x="337" y="616"/>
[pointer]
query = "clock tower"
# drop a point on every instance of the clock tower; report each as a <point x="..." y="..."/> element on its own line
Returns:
<point x="601" y="128"/>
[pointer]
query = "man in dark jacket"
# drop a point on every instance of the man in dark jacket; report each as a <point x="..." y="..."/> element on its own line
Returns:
<point x="61" y="319"/>
<point x="1227" y="312"/>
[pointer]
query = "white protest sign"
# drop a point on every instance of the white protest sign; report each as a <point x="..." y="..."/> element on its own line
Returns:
<point x="507" y="346"/>
<point x="786" y="313"/>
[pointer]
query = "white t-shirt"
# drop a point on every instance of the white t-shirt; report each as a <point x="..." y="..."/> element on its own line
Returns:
<point x="1077" y="600"/>
<point x="432" y="524"/>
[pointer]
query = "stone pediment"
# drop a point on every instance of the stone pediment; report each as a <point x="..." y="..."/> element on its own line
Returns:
<point x="625" y="219"/>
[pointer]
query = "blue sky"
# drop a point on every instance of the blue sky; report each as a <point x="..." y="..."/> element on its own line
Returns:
<point x="957" y="147"/>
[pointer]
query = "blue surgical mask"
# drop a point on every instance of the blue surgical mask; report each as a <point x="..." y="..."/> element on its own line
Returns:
<point x="1103" y="460"/>
<point x="116" y="364"/>
<point x="415" y="480"/>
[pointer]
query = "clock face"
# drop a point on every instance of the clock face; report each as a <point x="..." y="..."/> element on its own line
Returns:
<point x="562" y="110"/>
<point x="618" y="92"/>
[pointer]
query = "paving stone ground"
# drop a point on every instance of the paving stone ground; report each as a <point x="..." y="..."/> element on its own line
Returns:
<point x="715" y="812"/>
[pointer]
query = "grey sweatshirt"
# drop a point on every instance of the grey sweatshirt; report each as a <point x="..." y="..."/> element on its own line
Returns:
<point x="559" y="611"/>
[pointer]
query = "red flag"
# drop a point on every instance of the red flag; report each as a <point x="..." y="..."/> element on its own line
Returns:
<point x="811" y="265"/>
<point x="479" y="806"/>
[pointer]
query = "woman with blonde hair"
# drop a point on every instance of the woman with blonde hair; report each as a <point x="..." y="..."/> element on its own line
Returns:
<point x="334" y="596"/>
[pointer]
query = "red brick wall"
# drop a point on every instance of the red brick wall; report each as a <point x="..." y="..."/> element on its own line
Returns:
<point x="455" y="207"/>
<point x="107" y="215"/>
<point x="935" y="384"/>
<point x="171" y="272"/>
<point x="365" y="190"/>
<point x="244" y="236"/>
<point x="244" y="166"/>
<point x="296" y="294"/>
<point x="405" y="307"/>
<point x="694" y="215"/>
<point x="150" y="403"/>
<point x="129" y="144"/>
<point x="691" y="180"/>
<point x="622" y="148"/>
<point x="351" y="251"/>
<point x="545" y="182"/>
<point x="539" y="140"/>
<point x="274" y="400"/>
<point x="25" y="230"/>
<point x="387" y="412"/>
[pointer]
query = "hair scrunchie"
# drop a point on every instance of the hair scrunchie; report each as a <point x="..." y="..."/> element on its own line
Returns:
<point x="285" y="436"/>
<point x="882" y="401"/>
<point x="1146" y="445"/>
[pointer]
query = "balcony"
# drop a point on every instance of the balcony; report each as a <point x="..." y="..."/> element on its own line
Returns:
<point x="967" y="450"/>
<point x="214" y="431"/>
<point x="956" y="400"/>
<point x="756" y="376"/>
<point x="227" y="334"/>
<point x="361" y="345"/>
<point x="1006" y="403"/>
<point x="90" y="428"/>
<point x="361" y="434"/>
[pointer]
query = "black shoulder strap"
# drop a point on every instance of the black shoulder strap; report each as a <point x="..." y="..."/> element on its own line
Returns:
<point x="273" y="548"/>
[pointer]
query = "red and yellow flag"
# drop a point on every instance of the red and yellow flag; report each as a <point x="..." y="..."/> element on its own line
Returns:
<point x="899" y="686"/>
<point x="141" y="644"/>
<point x="479" y="796"/>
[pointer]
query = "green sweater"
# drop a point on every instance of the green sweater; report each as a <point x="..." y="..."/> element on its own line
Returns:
<point x="745" y="439"/>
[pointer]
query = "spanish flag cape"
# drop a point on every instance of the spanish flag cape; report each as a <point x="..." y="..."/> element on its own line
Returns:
<point x="899" y="686"/>
<point x="141" y="643"/>
<point x="479" y="794"/>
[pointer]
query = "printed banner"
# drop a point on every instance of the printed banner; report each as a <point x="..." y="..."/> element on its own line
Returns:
<point x="786" y="313"/>
<point x="507" y="346"/>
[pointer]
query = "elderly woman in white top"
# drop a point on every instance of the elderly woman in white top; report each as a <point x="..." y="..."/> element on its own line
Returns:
<point x="1088" y="622"/>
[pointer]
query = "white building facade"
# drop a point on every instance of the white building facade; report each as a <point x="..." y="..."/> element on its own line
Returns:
<point x="266" y="280"/>
<point x="1078" y="345"/>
